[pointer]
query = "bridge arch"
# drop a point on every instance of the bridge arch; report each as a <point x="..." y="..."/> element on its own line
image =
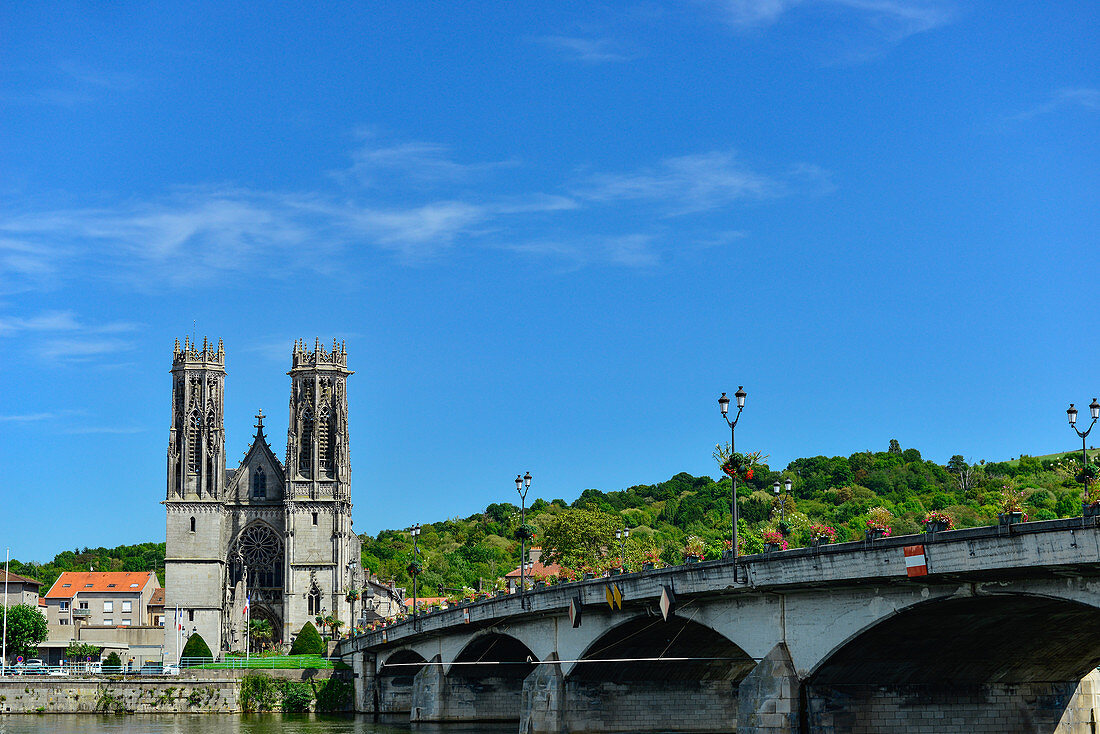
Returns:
<point x="402" y="664"/>
<point x="1010" y="638"/>
<point x="493" y="653"/>
<point x="633" y="651"/>
<point x="972" y="658"/>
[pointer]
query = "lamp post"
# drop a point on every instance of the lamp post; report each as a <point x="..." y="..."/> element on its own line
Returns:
<point x="414" y="568"/>
<point x="621" y="536"/>
<point x="1094" y="409"/>
<point x="522" y="485"/>
<point x="782" y="500"/>
<point x="724" y="404"/>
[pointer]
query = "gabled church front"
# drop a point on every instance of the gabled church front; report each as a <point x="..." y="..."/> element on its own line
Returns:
<point x="280" y="534"/>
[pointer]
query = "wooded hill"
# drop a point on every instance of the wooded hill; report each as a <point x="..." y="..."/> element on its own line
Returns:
<point x="837" y="491"/>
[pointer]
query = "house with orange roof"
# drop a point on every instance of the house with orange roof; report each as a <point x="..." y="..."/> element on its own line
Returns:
<point x="101" y="598"/>
<point x="535" y="569"/>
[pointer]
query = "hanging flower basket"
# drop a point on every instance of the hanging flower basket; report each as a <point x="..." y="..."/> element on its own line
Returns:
<point x="877" y="533"/>
<point x="774" y="538"/>
<point x="1012" y="518"/>
<point x="1087" y="475"/>
<point x="648" y="565"/>
<point x="935" y="522"/>
<point x="352" y="595"/>
<point x="415" y="567"/>
<point x="525" y="531"/>
<point x="821" y="534"/>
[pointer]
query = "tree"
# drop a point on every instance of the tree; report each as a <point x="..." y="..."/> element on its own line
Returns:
<point x="895" y="447"/>
<point x="579" y="537"/>
<point x="26" y="628"/>
<point x="259" y="632"/>
<point x="196" y="647"/>
<point x="112" y="663"/>
<point x="965" y="474"/>
<point x="81" y="651"/>
<point x="308" y="641"/>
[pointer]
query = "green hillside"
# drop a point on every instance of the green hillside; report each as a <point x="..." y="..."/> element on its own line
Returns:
<point x="838" y="491"/>
<point x="140" y="557"/>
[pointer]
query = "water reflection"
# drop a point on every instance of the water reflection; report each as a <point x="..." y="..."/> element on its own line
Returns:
<point x="229" y="724"/>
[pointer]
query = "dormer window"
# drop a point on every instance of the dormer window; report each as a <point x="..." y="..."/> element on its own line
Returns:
<point x="111" y="586"/>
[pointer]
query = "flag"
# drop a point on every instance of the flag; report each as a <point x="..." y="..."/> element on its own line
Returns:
<point x="247" y="602"/>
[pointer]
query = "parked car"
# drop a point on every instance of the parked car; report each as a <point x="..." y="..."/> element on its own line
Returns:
<point x="151" y="669"/>
<point x="30" y="667"/>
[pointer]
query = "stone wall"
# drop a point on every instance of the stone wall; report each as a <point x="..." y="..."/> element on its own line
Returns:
<point x="196" y="692"/>
<point x="976" y="709"/>
<point x="144" y="695"/>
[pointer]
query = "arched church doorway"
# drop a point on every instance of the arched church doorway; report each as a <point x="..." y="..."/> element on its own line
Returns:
<point x="265" y="628"/>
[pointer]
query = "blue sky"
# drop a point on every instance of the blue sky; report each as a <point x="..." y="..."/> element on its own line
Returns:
<point x="550" y="233"/>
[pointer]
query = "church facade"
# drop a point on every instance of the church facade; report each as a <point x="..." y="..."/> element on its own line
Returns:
<point x="277" y="533"/>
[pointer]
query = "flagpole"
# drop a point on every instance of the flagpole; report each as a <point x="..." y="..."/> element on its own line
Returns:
<point x="247" y="625"/>
<point x="4" y="644"/>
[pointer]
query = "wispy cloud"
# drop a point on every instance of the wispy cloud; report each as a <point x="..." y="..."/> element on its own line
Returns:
<point x="639" y="250"/>
<point x="416" y="162"/>
<point x="685" y="184"/>
<point x="48" y="321"/>
<point x="1080" y="97"/>
<point x="898" y="17"/>
<point x="112" y="430"/>
<point x="79" y="349"/>
<point x="27" y="418"/>
<point x="586" y="50"/>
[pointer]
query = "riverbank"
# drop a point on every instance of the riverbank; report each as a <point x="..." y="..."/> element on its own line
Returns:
<point x="193" y="692"/>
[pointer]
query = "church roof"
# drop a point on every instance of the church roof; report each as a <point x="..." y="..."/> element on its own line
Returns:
<point x="74" y="582"/>
<point x="259" y="443"/>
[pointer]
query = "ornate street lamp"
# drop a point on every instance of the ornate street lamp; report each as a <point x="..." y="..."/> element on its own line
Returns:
<point x="522" y="485"/>
<point x="724" y="405"/>
<point x="414" y="568"/>
<point x="621" y="536"/>
<point x="1094" y="409"/>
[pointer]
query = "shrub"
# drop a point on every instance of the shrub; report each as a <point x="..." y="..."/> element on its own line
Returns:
<point x="296" y="696"/>
<point x="196" y="647"/>
<point x="112" y="663"/>
<point x="308" y="641"/>
<point x="259" y="692"/>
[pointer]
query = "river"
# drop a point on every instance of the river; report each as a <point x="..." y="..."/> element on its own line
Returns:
<point x="227" y="724"/>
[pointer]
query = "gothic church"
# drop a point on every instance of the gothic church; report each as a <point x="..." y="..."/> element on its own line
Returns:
<point x="280" y="533"/>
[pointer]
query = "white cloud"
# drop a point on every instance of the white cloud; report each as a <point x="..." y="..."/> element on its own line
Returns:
<point x="897" y="16"/>
<point x="586" y="50"/>
<point x="685" y="184"/>
<point x="415" y="162"/>
<point x="1080" y="97"/>
<point x="27" y="418"/>
<point x="79" y="349"/>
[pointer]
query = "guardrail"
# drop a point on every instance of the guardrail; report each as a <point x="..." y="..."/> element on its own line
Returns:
<point x="83" y="669"/>
<point x="273" y="662"/>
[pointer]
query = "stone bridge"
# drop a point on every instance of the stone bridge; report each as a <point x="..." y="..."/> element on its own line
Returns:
<point x="841" y="638"/>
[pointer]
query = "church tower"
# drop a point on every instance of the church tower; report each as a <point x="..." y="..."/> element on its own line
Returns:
<point x="322" y="549"/>
<point x="195" y="561"/>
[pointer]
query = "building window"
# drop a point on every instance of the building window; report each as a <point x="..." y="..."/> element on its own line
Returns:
<point x="108" y="622"/>
<point x="314" y="601"/>
<point x="305" y="450"/>
<point x="64" y="620"/>
<point x="83" y="605"/>
<point x="315" y="518"/>
<point x="64" y="606"/>
<point x="127" y="606"/>
<point x="190" y="615"/>
<point x="158" y="621"/>
<point x="194" y="431"/>
<point x="65" y="586"/>
<point x="192" y="525"/>
<point x="108" y="606"/>
<point x="133" y="586"/>
<point x="125" y="623"/>
<point x="259" y="484"/>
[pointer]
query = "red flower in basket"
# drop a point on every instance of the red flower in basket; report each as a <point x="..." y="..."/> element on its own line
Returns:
<point x="748" y="474"/>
